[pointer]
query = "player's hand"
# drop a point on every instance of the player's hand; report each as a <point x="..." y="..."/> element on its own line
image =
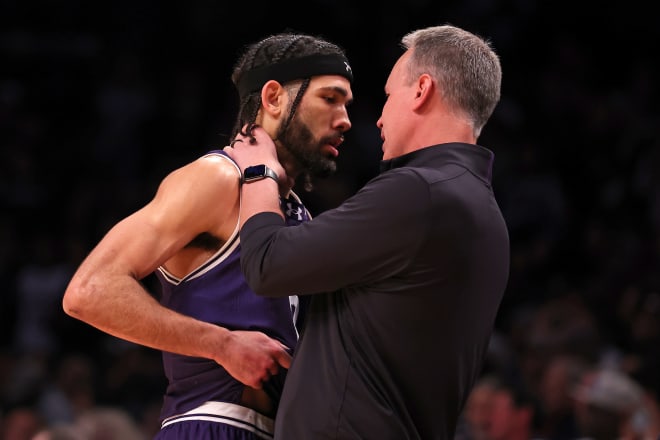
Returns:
<point x="252" y="357"/>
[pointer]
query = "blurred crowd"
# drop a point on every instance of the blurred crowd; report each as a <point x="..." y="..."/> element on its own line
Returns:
<point x="98" y="103"/>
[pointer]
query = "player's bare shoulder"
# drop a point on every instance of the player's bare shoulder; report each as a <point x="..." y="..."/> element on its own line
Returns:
<point x="215" y="179"/>
<point x="223" y="163"/>
<point x="203" y="199"/>
<point x="216" y="168"/>
<point x="210" y="175"/>
<point x="202" y="195"/>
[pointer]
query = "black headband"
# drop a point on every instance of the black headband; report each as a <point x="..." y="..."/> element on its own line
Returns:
<point x="296" y="68"/>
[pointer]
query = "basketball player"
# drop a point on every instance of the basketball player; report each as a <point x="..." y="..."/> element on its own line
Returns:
<point x="225" y="349"/>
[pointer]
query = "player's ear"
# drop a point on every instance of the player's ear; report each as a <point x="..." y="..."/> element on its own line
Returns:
<point x="273" y="98"/>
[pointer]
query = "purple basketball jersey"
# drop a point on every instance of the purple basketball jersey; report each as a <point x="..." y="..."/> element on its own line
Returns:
<point x="216" y="292"/>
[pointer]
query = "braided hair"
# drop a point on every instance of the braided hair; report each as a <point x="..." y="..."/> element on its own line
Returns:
<point x="271" y="50"/>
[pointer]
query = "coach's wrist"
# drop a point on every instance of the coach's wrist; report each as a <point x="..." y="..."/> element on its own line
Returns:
<point x="255" y="173"/>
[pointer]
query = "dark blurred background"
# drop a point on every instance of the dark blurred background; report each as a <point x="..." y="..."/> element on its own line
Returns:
<point x="100" y="100"/>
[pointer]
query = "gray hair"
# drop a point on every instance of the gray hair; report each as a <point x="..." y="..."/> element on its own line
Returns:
<point x="465" y="66"/>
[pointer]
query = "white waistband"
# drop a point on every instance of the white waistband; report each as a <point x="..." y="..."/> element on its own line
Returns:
<point x="229" y="414"/>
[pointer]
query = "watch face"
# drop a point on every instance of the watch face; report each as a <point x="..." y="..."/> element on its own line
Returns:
<point x="255" y="172"/>
<point x="258" y="172"/>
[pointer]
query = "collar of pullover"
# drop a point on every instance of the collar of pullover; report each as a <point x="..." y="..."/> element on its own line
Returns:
<point x="477" y="159"/>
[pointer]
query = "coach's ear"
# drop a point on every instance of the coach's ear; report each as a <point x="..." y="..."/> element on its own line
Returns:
<point x="273" y="99"/>
<point x="424" y="90"/>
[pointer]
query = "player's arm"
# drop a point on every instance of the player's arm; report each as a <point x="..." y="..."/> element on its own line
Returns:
<point x="106" y="291"/>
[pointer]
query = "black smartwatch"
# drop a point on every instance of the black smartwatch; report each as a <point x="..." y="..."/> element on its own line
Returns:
<point x="258" y="172"/>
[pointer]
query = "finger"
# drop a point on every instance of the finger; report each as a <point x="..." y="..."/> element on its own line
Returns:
<point x="283" y="358"/>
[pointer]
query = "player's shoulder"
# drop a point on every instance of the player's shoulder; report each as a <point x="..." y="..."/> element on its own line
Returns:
<point x="218" y="157"/>
<point x="216" y="163"/>
<point x="213" y="169"/>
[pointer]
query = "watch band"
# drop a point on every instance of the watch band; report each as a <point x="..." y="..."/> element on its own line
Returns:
<point x="258" y="172"/>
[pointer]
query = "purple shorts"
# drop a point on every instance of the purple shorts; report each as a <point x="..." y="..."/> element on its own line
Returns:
<point x="217" y="421"/>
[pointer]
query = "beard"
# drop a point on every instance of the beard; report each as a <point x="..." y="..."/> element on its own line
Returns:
<point x="298" y="141"/>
